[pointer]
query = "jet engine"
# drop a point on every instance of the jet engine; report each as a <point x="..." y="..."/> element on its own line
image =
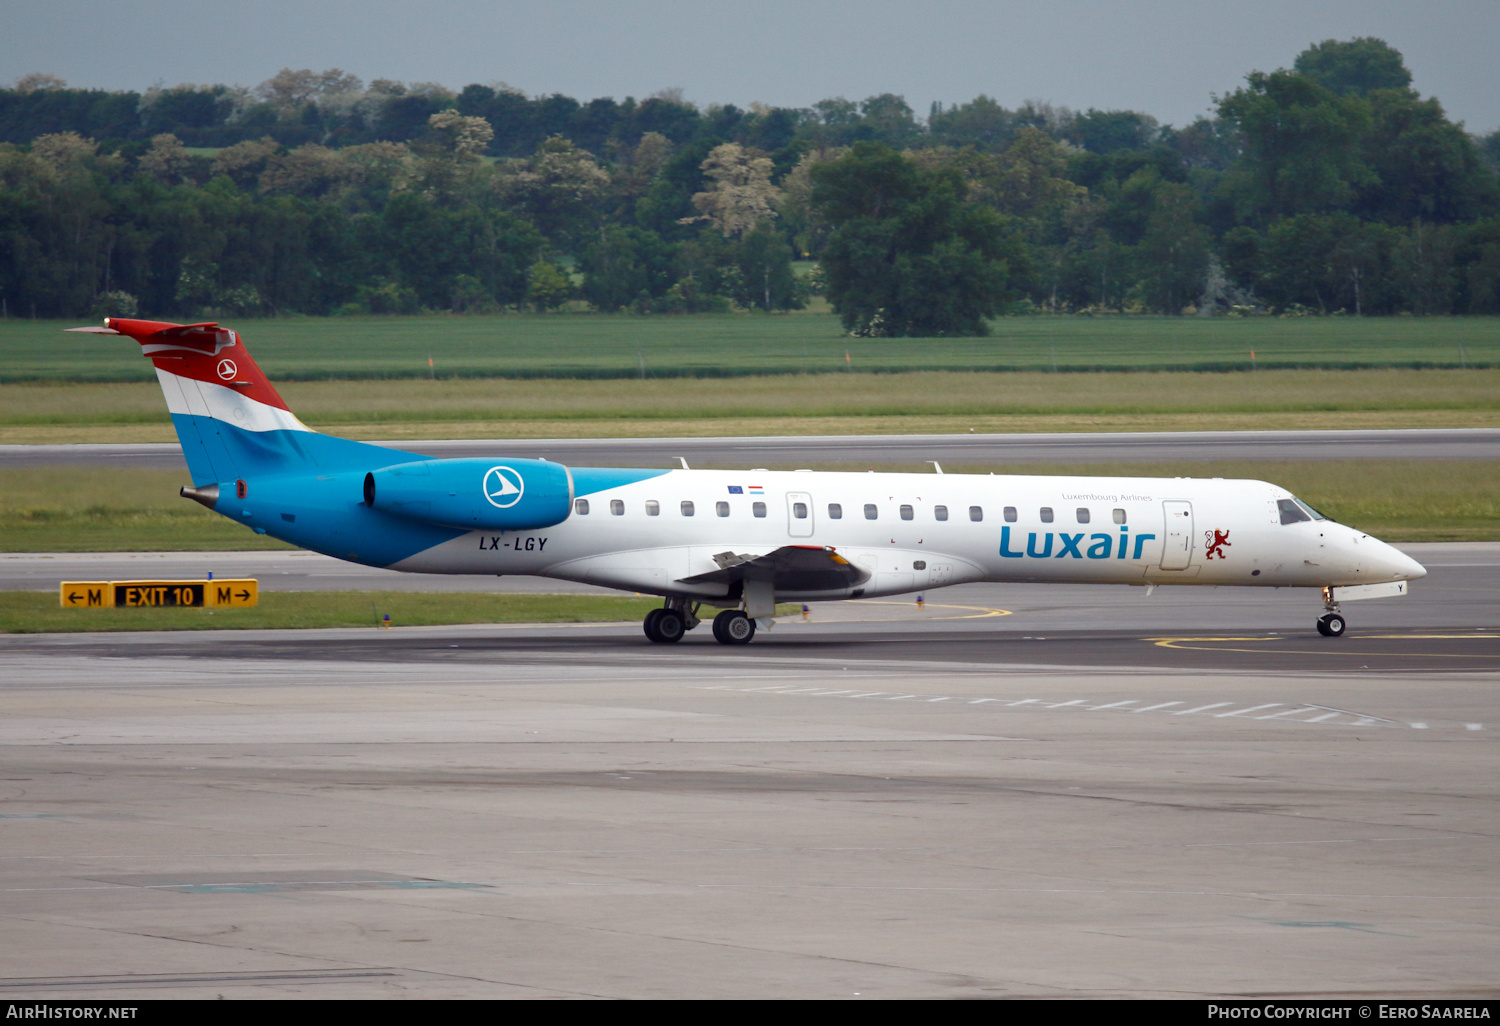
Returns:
<point x="474" y="494"/>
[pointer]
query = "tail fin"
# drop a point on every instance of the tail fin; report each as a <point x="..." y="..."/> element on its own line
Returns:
<point x="230" y="420"/>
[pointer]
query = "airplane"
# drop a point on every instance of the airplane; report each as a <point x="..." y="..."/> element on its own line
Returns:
<point x="739" y="541"/>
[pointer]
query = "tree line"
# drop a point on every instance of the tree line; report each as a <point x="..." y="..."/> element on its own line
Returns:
<point x="1329" y="187"/>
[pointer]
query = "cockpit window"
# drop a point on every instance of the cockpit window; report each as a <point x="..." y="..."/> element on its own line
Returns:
<point x="1309" y="510"/>
<point x="1291" y="511"/>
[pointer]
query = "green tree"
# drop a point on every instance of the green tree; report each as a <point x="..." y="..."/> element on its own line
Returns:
<point x="907" y="255"/>
<point x="1302" y="147"/>
<point x="559" y="189"/>
<point x="1422" y="268"/>
<point x="1172" y="258"/>
<point x="1355" y="67"/>
<point x="623" y="265"/>
<point x="1424" y="166"/>
<point x="766" y="278"/>
<point x="547" y="288"/>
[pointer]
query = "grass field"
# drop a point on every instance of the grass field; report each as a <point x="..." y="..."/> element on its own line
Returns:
<point x="28" y="612"/>
<point x="623" y="346"/>
<point x="921" y="402"/>
<point x="56" y="510"/>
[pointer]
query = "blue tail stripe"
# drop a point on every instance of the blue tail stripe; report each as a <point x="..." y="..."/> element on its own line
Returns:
<point x="218" y="451"/>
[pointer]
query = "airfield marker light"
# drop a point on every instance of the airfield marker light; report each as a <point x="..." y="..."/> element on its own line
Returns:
<point x="921" y="601"/>
<point x="385" y="623"/>
<point x="805" y="611"/>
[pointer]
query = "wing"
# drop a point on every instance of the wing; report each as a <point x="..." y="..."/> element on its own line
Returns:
<point x="791" y="568"/>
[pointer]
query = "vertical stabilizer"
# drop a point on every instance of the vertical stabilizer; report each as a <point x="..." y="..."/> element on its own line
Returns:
<point x="230" y="420"/>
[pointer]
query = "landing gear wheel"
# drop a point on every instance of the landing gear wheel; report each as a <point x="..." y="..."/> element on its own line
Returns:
<point x="669" y="626"/>
<point x="1331" y="625"/>
<point x="732" y="627"/>
<point x="649" y="625"/>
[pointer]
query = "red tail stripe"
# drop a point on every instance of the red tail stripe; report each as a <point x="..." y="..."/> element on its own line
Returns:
<point x="202" y="352"/>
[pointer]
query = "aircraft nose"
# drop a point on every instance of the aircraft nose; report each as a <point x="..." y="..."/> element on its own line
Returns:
<point x="1397" y="565"/>
<point x="1412" y="568"/>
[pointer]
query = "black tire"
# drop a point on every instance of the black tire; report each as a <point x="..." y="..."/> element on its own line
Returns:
<point x="670" y="626"/>
<point x="733" y="627"/>
<point x="1331" y="625"/>
<point x="649" y="625"/>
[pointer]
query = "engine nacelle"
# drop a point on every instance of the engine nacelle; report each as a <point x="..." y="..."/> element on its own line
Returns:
<point x="475" y="494"/>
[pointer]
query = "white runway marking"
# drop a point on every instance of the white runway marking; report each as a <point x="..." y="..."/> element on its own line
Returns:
<point x="1253" y="708"/>
<point x="1294" y="712"/>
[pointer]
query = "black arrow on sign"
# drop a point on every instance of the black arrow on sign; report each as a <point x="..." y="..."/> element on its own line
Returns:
<point x="72" y="598"/>
<point x="245" y="595"/>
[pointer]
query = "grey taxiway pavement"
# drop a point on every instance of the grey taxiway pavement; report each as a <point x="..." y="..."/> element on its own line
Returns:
<point x="778" y="451"/>
<point x="1038" y="791"/>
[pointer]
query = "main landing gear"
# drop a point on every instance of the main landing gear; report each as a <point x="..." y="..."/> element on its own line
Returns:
<point x="1331" y="624"/>
<point x="733" y="627"/>
<point x="667" y="625"/>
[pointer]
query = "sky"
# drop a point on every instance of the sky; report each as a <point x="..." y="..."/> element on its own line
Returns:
<point x="1167" y="58"/>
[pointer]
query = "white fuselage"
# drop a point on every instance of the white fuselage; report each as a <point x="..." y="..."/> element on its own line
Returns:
<point x="919" y="531"/>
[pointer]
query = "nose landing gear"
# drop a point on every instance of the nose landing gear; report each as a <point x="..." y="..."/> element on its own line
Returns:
<point x="1331" y="624"/>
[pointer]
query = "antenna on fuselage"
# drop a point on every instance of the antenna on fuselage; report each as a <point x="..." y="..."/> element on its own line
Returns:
<point x="936" y="466"/>
<point x="683" y="461"/>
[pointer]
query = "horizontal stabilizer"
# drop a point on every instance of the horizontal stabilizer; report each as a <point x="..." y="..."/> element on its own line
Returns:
<point x="791" y="568"/>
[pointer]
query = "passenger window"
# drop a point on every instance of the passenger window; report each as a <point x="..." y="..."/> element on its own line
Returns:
<point x="835" y="511"/>
<point x="581" y="507"/>
<point x="1291" y="513"/>
<point x="907" y="513"/>
<point x="687" y="507"/>
<point x="871" y="513"/>
<point x="1119" y="516"/>
<point x="758" y="508"/>
<point x="940" y="512"/>
<point x="1046" y="514"/>
<point x="1010" y="514"/>
<point x="617" y="507"/>
<point x="976" y="513"/>
<point x="799" y="510"/>
<point x="653" y="508"/>
<point x="721" y="508"/>
<point x="1083" y="514"/>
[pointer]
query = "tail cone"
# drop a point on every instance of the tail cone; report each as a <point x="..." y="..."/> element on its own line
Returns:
<point x="208" y="495"/>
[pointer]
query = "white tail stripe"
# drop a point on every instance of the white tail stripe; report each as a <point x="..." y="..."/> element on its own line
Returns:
<point x="205" y="399"/>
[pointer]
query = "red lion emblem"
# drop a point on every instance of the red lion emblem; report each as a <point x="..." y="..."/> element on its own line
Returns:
<point x="1218" y="541"/>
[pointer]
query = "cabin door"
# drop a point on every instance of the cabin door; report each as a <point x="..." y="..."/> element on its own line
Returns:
<point x="1179" y="534"/>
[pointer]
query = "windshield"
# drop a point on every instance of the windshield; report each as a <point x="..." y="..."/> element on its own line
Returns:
<point x="1295" y="511"/>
